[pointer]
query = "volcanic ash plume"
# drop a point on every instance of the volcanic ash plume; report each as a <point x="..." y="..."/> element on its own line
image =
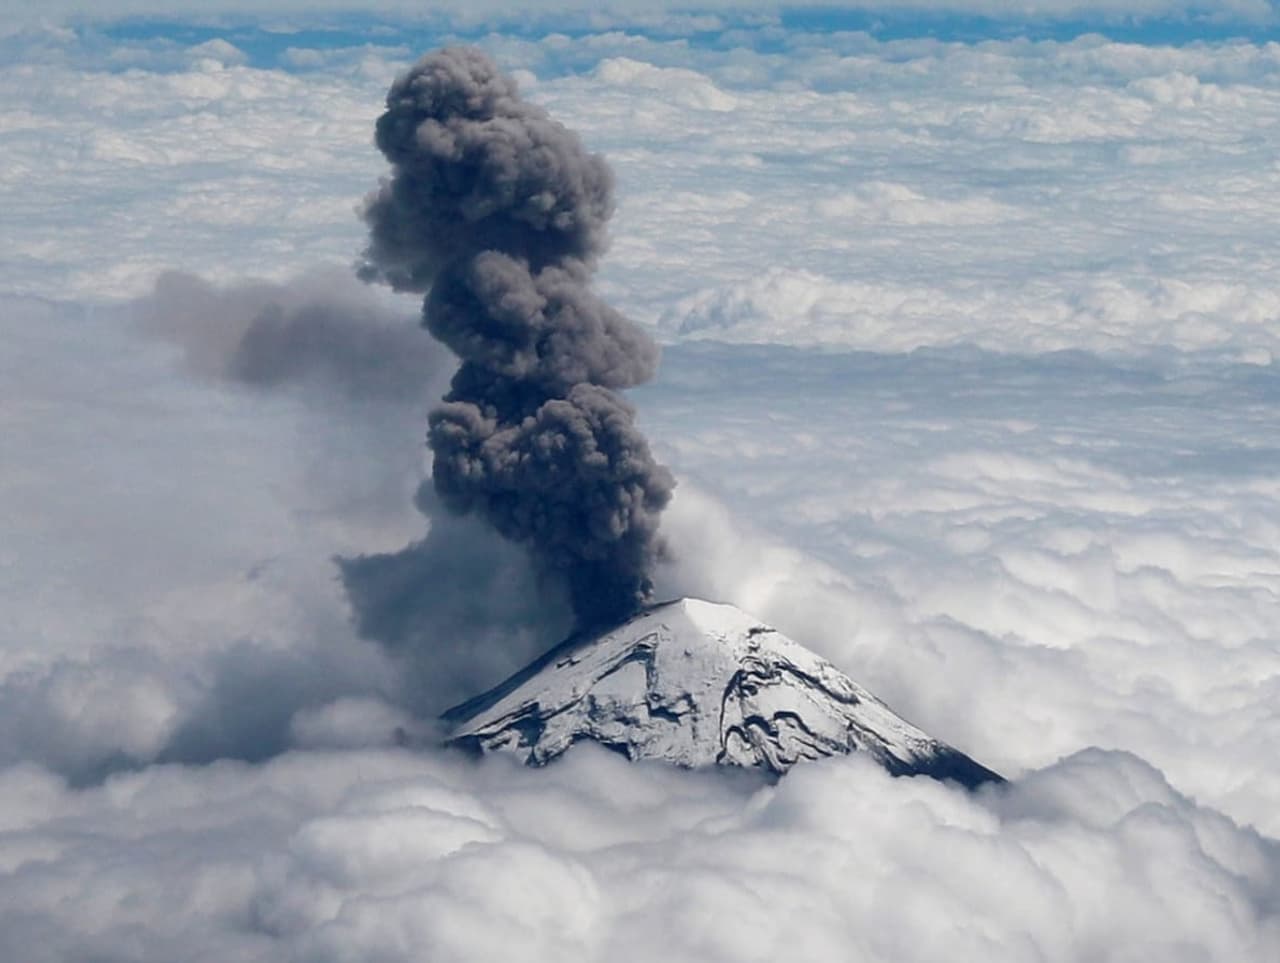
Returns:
<point x="499" y="213"/>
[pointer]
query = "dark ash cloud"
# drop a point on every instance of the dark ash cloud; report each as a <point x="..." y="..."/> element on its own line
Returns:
<point x="476" y="168"/>
<point x="499" y="212"/>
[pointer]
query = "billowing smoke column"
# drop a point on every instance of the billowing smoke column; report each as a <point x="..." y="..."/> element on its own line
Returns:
<point x="499" y="212"/>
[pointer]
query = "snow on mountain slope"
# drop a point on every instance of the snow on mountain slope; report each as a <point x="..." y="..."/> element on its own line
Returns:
<point x="697" y="684"/>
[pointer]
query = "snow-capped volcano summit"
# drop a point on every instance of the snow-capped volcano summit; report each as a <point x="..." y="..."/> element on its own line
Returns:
<point x="697" y="684"/>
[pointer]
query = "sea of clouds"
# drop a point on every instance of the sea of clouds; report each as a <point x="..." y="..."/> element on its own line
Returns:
<point x="968" y="385"/>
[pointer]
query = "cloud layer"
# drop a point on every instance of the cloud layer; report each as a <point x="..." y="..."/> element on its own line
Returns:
<point x="391" y="856"/>
<point x="1094" y="542"/>
<point x="1014" y="551"/>
<point x="783" y="188"/>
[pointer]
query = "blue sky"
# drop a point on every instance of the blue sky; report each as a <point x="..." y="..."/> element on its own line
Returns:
<point x="265" y="31"/>
<point x="265" y="44"/>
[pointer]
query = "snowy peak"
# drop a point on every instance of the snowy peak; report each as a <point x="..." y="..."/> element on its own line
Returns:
<point x="697" y="684"/>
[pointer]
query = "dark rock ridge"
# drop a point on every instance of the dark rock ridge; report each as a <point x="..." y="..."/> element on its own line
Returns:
<point x="698" y="684"/>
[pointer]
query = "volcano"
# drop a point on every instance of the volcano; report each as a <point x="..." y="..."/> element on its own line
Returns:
<point x="698" y="684"/>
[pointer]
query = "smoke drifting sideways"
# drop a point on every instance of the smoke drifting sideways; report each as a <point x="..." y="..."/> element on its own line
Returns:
<point x="322" y="328"/>
<point x="498" y="213"/>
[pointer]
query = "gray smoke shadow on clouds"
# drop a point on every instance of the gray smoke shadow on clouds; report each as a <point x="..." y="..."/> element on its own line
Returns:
<point x="225" y="626"/>
<point x="134" y="707"/>
<point x="248" y="709"/>
<point x="459" y="610"/>
<point x="454" y="611"/>
<point x="325" y="329"/>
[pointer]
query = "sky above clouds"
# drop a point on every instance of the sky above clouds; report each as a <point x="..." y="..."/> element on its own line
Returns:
<point x="969" y="383"/>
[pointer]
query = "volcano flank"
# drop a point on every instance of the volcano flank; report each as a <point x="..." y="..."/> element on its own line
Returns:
<point x="698" y="684"/>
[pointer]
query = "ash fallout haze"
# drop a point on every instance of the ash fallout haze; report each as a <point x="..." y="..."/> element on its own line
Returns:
<point x="968" y="322"/>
